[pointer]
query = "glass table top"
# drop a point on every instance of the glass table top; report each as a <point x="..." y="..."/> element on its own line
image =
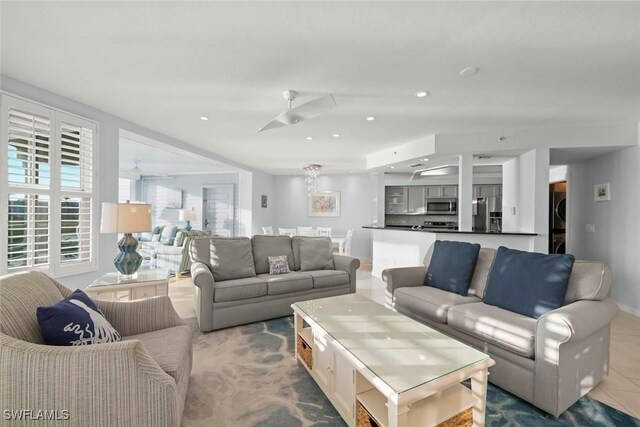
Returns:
<point x="400" y="351"/>
<point x="141" y="276"/>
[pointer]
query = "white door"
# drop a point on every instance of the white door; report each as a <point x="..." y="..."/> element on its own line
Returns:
<point x="343" y="386"/>
<point x="322" y="361"/>
<point x="219" y="209"/>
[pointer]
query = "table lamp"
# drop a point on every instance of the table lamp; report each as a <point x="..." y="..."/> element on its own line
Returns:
<point x="187" y="215"/>
<point x="126" y="218"/>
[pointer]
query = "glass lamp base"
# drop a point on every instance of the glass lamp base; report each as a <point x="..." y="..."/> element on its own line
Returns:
<point x="129" y="260"/>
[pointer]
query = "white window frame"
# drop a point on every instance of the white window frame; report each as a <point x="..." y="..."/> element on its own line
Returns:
<point x="55" y="267"/>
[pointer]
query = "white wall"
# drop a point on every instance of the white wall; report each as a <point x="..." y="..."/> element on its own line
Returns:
<point x="616" y="240"/>
<point x="357" y="192"/>
<point x="191" y="186"/>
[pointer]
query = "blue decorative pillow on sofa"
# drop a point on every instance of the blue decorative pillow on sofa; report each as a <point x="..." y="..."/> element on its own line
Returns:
<point x="528" y="283"/>
<point x="452" y="265"/>
<point x="75" y="320"/>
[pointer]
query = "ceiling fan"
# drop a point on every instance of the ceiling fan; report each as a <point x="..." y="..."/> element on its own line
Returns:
<point x="306" y="111"/>
<point x="136" y="173"/>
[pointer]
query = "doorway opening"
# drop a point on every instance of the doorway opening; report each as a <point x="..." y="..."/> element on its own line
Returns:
<point x="558" y="217"/>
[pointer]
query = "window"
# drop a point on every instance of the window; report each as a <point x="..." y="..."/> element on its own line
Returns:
<point x="124" y="190"/>
<point x="48" y="189"/>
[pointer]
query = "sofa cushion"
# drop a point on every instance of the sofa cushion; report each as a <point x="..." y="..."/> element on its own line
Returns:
<point x="452" y="265"/>
<point x="528" y="283"/>
<point x="432" y="303"/>
<point x="170" y="348"/>
<point x="286" y="283"/>
<point x="168" y="234"/>
<point x="236" y="289"/>
<point x="315" y="253"/>
<point x="278" y="265"/>
<point x="76" y="320"/>
<point x="588" y="281"/>
<point x="179" y="240"/>
<point x="328" y="278"/>
<point x="511" y="331"/>
<point x="231" y="258"/>
<point x="266" y="246"/>
<point x="481" y="271"/>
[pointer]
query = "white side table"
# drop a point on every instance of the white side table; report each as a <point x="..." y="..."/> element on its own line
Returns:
<point x="145" y="283"/>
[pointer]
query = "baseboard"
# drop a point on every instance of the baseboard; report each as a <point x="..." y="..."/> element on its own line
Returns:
<point x="628" y="309"/>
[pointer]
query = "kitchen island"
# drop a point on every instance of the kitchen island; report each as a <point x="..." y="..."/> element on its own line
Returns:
<point x="405" y="247"/>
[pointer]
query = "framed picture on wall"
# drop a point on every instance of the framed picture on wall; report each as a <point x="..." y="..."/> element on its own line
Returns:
<point x="174" y="198"/>
<point x="601" y="192"/>
<point x="324" y="203"/>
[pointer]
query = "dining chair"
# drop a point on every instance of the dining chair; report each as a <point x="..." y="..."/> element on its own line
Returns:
<point x="324" y="231"/>
<point x="287" y="231"/>
<point x="267" y="230"/>
<point x="346" y="246"/>
<point x="308" y="233"/>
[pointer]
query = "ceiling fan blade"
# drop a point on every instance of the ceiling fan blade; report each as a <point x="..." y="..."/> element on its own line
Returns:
<point x="313" y="108"/>
<point x="305" y="111"/>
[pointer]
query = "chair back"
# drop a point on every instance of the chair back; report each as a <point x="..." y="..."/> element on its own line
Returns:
<point x="22" y="294"/>
<point x="267" y="230"/>
<point x="308" y="233"/>
<point x="347" y="243"/>
<point x="324" y="231"/>
<point x="287" y="231"/>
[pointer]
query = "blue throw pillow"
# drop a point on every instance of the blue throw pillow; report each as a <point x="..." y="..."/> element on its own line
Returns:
<point x="528" y="283"/>
<point x="75" y="320"/>
<point x="452" y="266"/>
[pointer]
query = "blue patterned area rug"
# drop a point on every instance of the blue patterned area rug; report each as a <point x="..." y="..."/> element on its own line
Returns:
<point x="247" y="376"/>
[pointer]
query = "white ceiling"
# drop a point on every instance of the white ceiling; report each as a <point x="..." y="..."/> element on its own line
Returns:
<point x="155" y="159"/>
<point x="165" y="64"/>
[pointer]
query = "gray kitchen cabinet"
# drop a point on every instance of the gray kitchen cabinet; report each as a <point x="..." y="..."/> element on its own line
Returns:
<point x="440" y="191"/>
<point x="449" y="191"/>
<point x="396" y="199"/>
<point x="486" y="190"/>
<point x="417" y="203"/>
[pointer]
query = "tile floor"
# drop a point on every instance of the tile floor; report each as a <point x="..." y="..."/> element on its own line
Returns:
<point x="621" y="389"/>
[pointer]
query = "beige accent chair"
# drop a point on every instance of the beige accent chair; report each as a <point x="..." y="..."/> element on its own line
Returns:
<point x="139" y="381"/>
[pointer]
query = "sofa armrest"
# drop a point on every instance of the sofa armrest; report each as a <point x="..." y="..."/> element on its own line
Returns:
<point x="401" y="277"/>
<point x="170" y="250"/>
<point x="572" y="352"/>
<point x="94" y="384"/>
<point x="348" y="264"/>
<point x="140" y="316"/>
<point x="203" y="279"/>
<point x="576" y="321"/>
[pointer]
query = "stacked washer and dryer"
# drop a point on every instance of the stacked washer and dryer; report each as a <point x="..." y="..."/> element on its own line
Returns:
<point x="558" y="223"/>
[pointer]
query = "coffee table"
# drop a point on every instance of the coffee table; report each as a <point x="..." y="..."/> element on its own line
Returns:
<point x="379" y="367"/>
<point x="145" y="283"/>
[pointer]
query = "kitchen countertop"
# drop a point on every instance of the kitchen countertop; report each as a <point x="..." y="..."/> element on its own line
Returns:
<point x="431" y="230"/>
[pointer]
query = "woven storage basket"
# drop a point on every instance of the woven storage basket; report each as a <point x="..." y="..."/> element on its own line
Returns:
<point x="305" y="352"/>
<point x="463" y="419"/>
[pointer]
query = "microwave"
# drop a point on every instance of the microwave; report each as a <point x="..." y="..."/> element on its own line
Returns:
<point x="442" y="206"/>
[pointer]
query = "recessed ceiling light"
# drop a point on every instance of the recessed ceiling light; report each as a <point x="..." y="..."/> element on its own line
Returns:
<point x="204" y="118"/>
<point x="468" y="71"/>
<point x="391" y="167"/>
<point x="421" y="94"/>
<point x="336" y="135"/>
<point x="426" y="159"/>
<point x="309" y="138"/>
<point x="370" y="118"/>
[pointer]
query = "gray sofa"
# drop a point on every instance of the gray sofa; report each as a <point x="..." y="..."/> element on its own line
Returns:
<point x="234" y="287"/>
<point x="551" y="361"/>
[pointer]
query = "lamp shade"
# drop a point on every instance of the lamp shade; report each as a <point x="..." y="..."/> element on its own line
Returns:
<point x="187" y="215"/>
<point x="125" y="218"/>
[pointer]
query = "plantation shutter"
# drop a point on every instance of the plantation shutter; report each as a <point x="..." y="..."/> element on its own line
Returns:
<point x="47" y="216"/>
<point x="76" y="178"/>
<point x="27" y="156"/>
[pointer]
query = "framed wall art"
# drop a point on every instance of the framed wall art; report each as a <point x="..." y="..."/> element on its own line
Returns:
<point x="324" y="204"/>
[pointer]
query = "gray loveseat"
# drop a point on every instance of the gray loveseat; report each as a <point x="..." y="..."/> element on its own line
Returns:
<point x="551" y="361"/>
<point x="234" y="287"/>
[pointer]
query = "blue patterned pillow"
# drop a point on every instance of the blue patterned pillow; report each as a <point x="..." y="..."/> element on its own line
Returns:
<point x="75" y="320"/>
<point x="278" y="265"/>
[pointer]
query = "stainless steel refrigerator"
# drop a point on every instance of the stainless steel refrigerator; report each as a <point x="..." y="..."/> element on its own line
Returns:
<point x="487" y="214"/>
